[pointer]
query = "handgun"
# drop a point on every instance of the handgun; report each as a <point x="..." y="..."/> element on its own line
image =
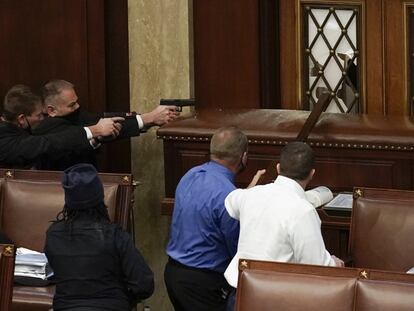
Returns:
<point x="125" y="115"/>
<point x="180" y="103"/>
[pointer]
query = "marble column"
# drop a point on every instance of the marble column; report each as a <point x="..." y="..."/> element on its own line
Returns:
<point x="160" y="67"/>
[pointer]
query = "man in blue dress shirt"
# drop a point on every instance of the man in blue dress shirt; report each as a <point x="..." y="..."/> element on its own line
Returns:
<point x="203" y="237"/>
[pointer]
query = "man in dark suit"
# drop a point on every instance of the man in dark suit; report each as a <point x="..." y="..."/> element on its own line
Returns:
<point x="21" y="112"/>
<point x="61" y="103"/>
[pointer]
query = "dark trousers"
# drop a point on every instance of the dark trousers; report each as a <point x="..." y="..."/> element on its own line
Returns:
<point x="192" y="289"/>
<point x="231" y="301"/>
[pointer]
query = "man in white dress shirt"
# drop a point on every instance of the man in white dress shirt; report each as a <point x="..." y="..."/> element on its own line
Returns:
<point x="277" y="223"/>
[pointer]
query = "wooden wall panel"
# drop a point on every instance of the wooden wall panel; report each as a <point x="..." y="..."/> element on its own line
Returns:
<point x="289" y="83"/>
<point x="269" y="51"/>
<point x="182" y="157"/>
<point x="226" y="53"/>
<point x="336" y="240"/>
<point x="43" y="40"/>
<point x="117" y="156"/>
<point x="116" y="55"/>
<point x="345" y="173"/>
<point x="395" y="57"/>
<point x="95" y="56"/>
<point x="374" y="59"/>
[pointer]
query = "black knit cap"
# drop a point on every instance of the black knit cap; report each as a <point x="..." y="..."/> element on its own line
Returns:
<point x="83" y="188"/>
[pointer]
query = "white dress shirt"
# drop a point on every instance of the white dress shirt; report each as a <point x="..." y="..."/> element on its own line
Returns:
<point x="277" y="223"/>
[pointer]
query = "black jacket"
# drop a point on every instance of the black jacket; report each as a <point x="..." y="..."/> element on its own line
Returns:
<point x="96" y="265"/>
<point x="58" y="124"/>
<point x="20" y="149"/>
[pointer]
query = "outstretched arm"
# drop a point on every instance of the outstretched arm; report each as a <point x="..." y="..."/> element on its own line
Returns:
<point x="107" y="127"/>
<point x="256" y="178"/>
<point x="160" y="115"/>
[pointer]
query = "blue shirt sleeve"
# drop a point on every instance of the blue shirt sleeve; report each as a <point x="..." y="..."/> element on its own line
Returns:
<point x="230" y="228"/>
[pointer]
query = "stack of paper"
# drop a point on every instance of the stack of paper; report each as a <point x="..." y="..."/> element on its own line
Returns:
<point x="31" y="264"/>
<point x="319" y="196"/>
<point x="341" y="201"/>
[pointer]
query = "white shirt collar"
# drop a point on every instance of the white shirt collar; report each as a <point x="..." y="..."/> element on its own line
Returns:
<point x="291" y="184"/>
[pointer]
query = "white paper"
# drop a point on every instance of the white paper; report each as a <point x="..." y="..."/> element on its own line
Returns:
<point x="319" y="196"/>
<point x="30" y="263"/>
<point x="26" y="256"/>
<point x="342" y="200"/>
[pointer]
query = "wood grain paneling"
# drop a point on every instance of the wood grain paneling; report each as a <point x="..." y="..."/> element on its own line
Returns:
<point x="179" y="158"/>
<point x="289" y="84"/>
<point x="336" y="240"/>
<point x="116" y="72"/>
<point x="410" y="57"/>
<point x="374" y="103"/>
<point x="395" y="56"/>
<point x="44" y="40"/>
<point x="95" y="56"/>
<point x="269" y="51"/>
<point x="227" y="53"/>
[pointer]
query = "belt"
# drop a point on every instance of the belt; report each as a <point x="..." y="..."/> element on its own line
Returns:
<point x="180" y="265"/>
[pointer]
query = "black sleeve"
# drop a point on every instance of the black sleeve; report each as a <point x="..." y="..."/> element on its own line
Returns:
<point x="87" y="118"/>
<point x="29" y="148"/>
<point x="137" y="274"/>
<point x="130" y="128"/>
<point x="72" y="138"/>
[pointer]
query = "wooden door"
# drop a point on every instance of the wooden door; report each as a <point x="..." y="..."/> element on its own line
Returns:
<point x="372" y="72"/>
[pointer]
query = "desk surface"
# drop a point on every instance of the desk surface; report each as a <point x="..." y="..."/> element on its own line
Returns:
<point x="265" y="126"/>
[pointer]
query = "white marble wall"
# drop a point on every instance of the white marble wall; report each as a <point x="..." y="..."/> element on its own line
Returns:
<point x="160" y="66"/>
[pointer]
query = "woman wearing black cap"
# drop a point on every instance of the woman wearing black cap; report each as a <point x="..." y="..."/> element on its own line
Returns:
<point x="95" y="262"/>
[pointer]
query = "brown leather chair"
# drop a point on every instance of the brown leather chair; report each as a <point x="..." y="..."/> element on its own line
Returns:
<point x="382" y="229"/>
<point x="271" y="285"/>
<point x="385" y="291"/>
<point x="294" y="287"/>
<point x="384" y="296"/>
<point x="7" y="255"/>
<point x="31" y="199"/>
